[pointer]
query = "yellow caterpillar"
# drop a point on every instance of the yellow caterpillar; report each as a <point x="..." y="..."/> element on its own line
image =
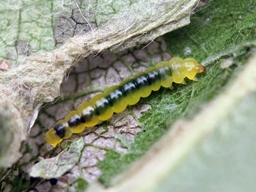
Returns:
<point x="118" y="97"/>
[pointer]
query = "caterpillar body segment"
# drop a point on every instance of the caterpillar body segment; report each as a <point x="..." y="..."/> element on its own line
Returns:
<point x="116" y="98"/>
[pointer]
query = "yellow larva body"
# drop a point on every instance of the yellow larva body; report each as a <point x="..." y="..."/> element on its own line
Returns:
<point x="118" y="97"/>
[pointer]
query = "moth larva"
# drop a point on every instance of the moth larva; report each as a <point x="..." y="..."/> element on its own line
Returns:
<point x="128" y="92"/>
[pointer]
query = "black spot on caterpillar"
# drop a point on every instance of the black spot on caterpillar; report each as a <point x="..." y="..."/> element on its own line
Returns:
<point x="128" y="92"/>
<point x="53" y="181"/>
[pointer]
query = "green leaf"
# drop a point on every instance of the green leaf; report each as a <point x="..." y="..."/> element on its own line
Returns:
<point x="209" y="37"/>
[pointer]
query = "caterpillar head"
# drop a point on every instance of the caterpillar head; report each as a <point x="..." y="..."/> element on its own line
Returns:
<point x="192" y="67"/>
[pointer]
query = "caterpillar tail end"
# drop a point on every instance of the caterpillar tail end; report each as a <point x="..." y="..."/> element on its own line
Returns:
<point x="52" y="138"/>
